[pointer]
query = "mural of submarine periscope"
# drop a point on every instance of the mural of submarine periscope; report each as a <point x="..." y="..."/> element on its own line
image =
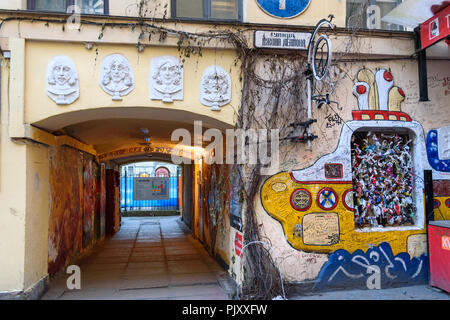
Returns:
<point x="316" y="206"/>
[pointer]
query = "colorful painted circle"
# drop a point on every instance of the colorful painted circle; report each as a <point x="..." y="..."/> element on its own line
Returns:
<point x="301" y="199"/>
<point x="347" y="200"/>
<point x="436" y="203"/>
<point x="327" y="199"/>
<point x="447" y="203"/>
<point x="283" y="8"/>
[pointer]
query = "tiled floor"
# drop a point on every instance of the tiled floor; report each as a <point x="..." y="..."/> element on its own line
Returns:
<point x="149" y="258"/>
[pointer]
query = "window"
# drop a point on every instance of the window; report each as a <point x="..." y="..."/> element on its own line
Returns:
<point x="207" y="9"/>
<point x="86" y="6"/>
<point x="383" y="184"/>
<point x="368" y="14"/>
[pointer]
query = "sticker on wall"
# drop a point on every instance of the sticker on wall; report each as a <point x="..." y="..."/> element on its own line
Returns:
<point x="283" y="8"/>
<point x="301" y="199"/>
<point x="62" y="80"/>
<point x="238" y="244"/>
<point x="116" y="76"/>
<point x="321" y="229"/>
<point x="327" y="199"/>
<point x="166" y="79"/>
<point x="417" y="245"/>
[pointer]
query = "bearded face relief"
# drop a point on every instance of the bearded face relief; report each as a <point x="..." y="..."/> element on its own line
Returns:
<point x="62" y="80"/>
<point x="116" y="76"/>
<point x="166" y="79"/>
<point x="215" y="88"/>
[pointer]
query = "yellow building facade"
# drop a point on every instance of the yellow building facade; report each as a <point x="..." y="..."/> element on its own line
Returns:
<point x="67" y="127"/>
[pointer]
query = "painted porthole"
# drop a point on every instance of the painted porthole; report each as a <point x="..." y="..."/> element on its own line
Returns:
<point x="301" y="199"/>
<point x="347" y="200"/>
<point x="327" y="199"/>
<point x="436" y="203"/>
<point x="447" y="203"/>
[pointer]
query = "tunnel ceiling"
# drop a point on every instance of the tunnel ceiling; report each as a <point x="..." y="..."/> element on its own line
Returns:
<point x="110" y="134"/>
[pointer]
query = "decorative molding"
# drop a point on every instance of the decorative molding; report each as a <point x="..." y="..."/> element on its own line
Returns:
<point x="215" y="88"/>
<point x="62" y="80"/>
<point x="116" y="76"/>
<point x="166" y="79"/>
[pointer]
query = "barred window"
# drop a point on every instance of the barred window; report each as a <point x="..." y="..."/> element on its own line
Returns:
<point x="85" y="6"/>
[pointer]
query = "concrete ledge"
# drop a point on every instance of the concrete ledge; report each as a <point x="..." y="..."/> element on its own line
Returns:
<point x="33" y="293"/>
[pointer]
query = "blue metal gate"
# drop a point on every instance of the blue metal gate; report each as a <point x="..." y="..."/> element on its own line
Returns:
<point x="127" y="202"/>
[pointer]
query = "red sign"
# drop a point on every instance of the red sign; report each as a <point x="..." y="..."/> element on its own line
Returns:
<point x="238" y="244"/>
<point x="435" y="28"/>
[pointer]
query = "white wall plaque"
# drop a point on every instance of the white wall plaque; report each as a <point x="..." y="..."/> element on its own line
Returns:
<point x="62" y="80"/>
<point x="281" y="40"/>
<point x="166" y="79"/>
<point x="215" y="88"/>
<point x="116" y="76"/>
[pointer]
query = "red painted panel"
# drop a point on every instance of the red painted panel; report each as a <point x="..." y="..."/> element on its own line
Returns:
<point x="439" y="253"/>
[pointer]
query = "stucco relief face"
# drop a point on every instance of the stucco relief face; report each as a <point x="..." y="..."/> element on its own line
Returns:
<point x="166" y="79"/>
<point x="116" y="77"/>
<point x="215" y="88"/>
<point x="62" y="80"/>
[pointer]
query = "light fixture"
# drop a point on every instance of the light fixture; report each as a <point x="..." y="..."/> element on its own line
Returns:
<point x="144" y="130"/>
<point x="147" y="139"/>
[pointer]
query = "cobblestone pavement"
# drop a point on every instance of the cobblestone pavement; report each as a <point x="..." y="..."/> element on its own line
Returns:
<point x="149" y="258"/>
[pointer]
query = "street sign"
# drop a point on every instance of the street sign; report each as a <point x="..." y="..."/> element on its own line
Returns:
<point x="283" y="8"/>
<point x="281" y="40"/>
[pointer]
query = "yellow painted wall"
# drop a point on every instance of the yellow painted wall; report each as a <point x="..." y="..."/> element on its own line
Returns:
<point x="88" y="62"/>
<point x="12" y="200"/>
<point x="37" y="214"/>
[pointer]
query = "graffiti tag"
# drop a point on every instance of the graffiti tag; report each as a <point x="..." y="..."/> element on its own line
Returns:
<point x="374" y="269"/>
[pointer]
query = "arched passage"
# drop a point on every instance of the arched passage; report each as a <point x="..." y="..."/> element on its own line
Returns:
<point x="85" y="209"/>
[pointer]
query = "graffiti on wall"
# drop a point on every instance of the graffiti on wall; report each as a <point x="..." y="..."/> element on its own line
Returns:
<point x="438" y="149"/>
<point x="376" y="268"/>
<point x="315" y="205"/>
<point x="75" y="210"/>
<point x="65" y="228"/>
